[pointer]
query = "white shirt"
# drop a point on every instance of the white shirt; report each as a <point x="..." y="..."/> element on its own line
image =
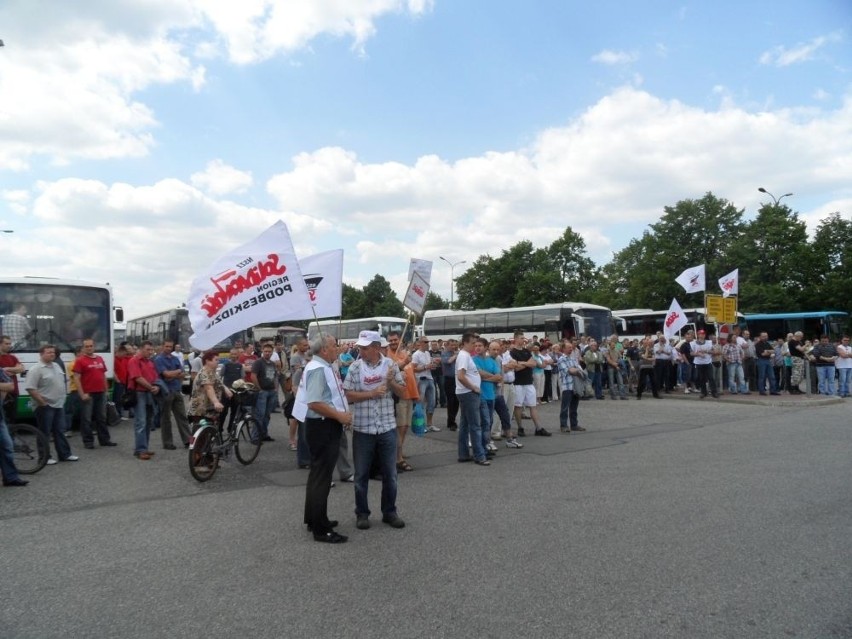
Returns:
<point x="420" y="359"/>
<point x="464" y="362"/>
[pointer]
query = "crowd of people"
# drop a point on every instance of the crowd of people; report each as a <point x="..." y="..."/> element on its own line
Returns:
<point x="376" y="386"/>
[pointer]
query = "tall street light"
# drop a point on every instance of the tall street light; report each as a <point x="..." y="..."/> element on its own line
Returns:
<point x="774" y="199"/>
<point x="452" y="276"/>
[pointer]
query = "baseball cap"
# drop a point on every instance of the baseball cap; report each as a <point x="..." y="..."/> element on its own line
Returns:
<point x="365" y="338"/>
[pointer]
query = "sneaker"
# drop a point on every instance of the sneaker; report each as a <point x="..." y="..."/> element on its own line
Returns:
<point x="491" y="446"/>
<point x="496" y="436"/>
<point x="542" y="433"/>
<point x="363" y="522"/>
<point x="71" y="458"/>
<point x="433" y="429"/>
<point x="686" y="391"/>
<point x="564" y="430"/>
<point x="513" y="443"/>
<point x="51" y="461"/>
<point x="294" y="446"/>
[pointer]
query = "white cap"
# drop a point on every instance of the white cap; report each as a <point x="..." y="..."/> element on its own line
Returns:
<point x="365" y="338"/>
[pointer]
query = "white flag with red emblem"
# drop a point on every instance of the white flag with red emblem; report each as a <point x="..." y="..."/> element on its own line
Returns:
<point x="675" y="320"/>
<point x="257" y="282"/>
<point x="323" y="275"/>
<point x="730" y="284"/>
<point x="692" y="279"/>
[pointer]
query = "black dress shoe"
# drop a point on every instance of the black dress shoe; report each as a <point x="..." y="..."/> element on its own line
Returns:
<point x="268" y="439"/>
<point x="89" y="446"/>
<point x="16" y="482"/>
<point x="331" y="538"/>
<point x="170" y="447"/>
<point x="109" y="444"/>
<point x="332" y="523"/>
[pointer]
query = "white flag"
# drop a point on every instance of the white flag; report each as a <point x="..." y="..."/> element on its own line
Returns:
<point x="258" y="282"/>
<point x="730" y="284"/>
<point x="415" y="296"/>
<point x="324" y="278"/>
<point x="423" y="267"/>
<point x="675" y="320"/>
<point x="692" y="279"/>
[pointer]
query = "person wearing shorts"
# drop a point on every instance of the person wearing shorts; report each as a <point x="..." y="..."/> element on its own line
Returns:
<point x="524" y="388"/>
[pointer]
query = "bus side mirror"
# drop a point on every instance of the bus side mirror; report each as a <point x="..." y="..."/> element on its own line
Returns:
<point x="119" y="314"/>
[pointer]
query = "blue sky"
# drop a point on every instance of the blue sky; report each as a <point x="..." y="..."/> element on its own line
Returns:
<point x="140" y="139"/>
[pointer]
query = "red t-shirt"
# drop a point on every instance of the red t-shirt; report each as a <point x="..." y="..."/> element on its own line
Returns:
<point x="92" y="371"/>
<point x="248" y="360"/>
<point x="10" y="361"/>
<point x="140" y="367"/>
<point x="121" y="368"/>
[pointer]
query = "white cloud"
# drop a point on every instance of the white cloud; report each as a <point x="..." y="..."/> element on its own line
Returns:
<point x="71" y="73"/>
<point x="609" y="57"/>
<point x="607" y="174"/>
<point x="255" y="30"/>
<point x="781" y="56"/>
<point x="219" y="178"/>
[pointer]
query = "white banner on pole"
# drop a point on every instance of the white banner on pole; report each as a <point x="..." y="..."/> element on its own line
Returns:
<point x="675" y="320"/>
<point x="415" y="296"/>
<point x="423" y="267"/>
<point x="257" y="282"/>
<point x="323" y="274"/>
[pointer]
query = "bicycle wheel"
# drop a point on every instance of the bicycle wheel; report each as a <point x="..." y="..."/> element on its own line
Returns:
<point x="203" y="455"/>
<point x="248" y="441"/>
<point x="30" y="446"/>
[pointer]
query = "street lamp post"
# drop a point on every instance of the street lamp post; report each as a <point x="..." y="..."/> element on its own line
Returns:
<point x="452" y="276"/>
<point x="774" y="199"/>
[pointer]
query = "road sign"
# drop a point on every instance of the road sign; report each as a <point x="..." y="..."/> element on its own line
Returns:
<point x="720" y="310"/>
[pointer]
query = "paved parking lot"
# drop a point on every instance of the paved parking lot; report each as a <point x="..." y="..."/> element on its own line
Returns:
<point x="666" y="519"/>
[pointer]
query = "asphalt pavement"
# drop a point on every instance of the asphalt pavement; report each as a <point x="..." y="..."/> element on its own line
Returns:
<point x="676" y="517"/>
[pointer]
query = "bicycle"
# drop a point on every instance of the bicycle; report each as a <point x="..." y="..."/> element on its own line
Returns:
<point x="207" y="446"/>
<point x="31" y="448"/>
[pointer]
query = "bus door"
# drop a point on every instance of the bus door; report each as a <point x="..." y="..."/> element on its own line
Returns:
<point x="551" y="331"/>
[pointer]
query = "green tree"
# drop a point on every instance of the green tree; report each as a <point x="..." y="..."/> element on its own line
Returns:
<point x="775" y="261"/>
<point x="525" y="276"/>
<point x="689" y="233"/>
<point x="379" y="299"/>
<point x="831" y="252"/>
<point x="435" y="301"/>
<point x="353" y="302"/>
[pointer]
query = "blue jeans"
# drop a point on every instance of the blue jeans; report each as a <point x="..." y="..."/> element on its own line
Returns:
<point x="597" y="382"/>
<point x="845" y="375"/>
<point x="765" y="371"/>
<point x="486" y="418"/>
<point x="263" y="408"/>
<point x="143" y="418"/>
<point x="736" y="377"/>
<point x="470" y="427"/>
<point x="616" y="382"/>
<point x="825" y="375"/>
<point x="7" y="454"/>
<point x="503" y="413"/>
<point x="52" y="421"/>
<point x="364" y="448"/>
<point x="426" y="388"/>
<point x="568" y="409"/>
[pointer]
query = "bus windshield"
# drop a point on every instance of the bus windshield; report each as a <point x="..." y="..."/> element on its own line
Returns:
<point x="598" y="322"/>
<point x="36" y="314"/>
